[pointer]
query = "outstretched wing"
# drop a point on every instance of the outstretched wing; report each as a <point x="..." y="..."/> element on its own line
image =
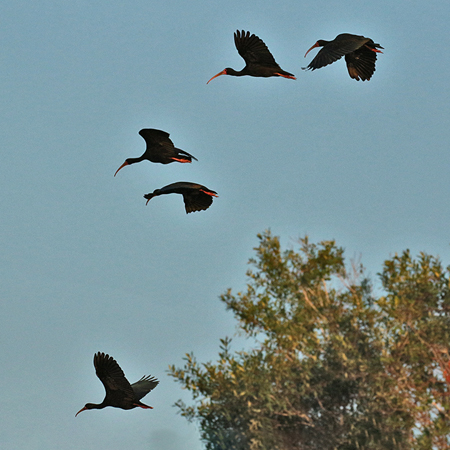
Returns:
<point x="157" y="139"/>
<point x="112" y="377"/>
<point x="361" y="63"/>
<point x="153" y="136"/>
<point x="198" y="199"/>
<point x="253" y="49"/>
<point x="142" y="387"/>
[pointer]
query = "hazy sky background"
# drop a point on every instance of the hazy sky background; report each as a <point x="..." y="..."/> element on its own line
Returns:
<point x="87" y="267"/>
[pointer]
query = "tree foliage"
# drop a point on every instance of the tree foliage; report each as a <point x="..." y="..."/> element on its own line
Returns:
<point x="332" y="366"/>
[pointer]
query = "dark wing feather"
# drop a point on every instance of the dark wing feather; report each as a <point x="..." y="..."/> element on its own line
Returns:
<point x="196" y="200"/>
<point x="160" y="147"/>
<point x="112" y="377"/>
<point x="142" y="387"/>
<point x="253" y="49"/>
<point x="154" y="137"/>
<point x="158" y="140"/>
<point x="164" y="149"/>
<point x="361" y="63"/>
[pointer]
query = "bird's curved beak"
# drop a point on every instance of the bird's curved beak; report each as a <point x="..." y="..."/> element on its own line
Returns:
<point x="123" y="165"/>
<point x="224" y="72"/>
<point x="82" y="409"/>
<point x="314" y="46"/>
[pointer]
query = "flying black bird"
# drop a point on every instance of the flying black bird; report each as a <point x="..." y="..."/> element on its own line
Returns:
<point x="196" y="197"/>
<point x="360" y="55"/>
<point x="259" y="62"/>
<point x="160" y="149"/>
<point x="119" y="392"/>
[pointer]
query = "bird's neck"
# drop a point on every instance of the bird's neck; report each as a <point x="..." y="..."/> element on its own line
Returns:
<point x="235" y="73"/>
<point x="96" y="405"/>
<point x="135" y="160"/>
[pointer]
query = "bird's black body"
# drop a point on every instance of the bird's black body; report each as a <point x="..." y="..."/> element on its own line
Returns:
<point x="196" y="197"/>
<point x="119" y="392"/>
<point x="160" y="149"/>
<point x="259" y="62"/>
<point x="360" y="54"/>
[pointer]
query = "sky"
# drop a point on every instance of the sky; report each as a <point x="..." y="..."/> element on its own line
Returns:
<point x="85" y="266"/>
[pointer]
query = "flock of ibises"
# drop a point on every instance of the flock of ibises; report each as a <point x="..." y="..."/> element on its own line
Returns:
<point x="360" y="56"/>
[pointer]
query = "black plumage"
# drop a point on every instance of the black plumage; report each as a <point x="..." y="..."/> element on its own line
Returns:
<point x="196" y="197"/>
<point x="259" y="62"/>
<point x="119" y="392"/>
<point x="360" y="55"/>
<point x="160" y="149"/>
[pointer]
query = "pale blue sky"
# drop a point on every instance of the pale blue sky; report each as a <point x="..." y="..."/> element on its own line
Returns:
<point x="87" y="267"/>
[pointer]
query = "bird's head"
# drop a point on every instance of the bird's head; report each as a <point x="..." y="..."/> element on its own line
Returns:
<point x="151" y="195"/>
<point x="86" y="406"/>
<point x="224" y="72"/>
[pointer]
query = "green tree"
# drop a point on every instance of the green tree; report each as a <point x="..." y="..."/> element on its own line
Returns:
<point x="332" y="367"/>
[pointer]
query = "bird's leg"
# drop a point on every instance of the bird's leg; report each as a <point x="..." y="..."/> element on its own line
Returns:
<point x="141" y="405"/>
<point x="374" y="49"/>
<point x="285" y="76"/>
<point x="208" y="193"/>
<point x="181" y="160"/>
